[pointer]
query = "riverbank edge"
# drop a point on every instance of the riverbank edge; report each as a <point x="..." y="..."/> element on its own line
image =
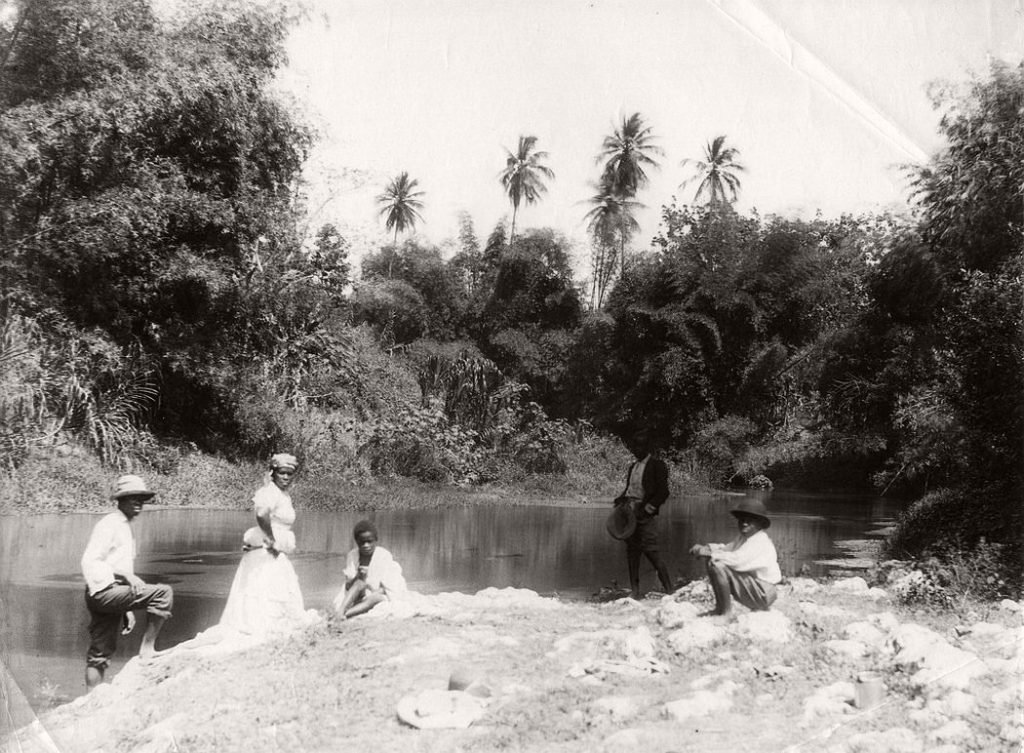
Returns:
<point x="54" y="483"/>
<point x="563" y="665"/>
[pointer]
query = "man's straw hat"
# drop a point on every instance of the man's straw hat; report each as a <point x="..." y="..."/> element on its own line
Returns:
<point x="131" y="486"/>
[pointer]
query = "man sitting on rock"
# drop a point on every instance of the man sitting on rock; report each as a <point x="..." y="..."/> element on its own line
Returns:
<point x="746" y="568"/>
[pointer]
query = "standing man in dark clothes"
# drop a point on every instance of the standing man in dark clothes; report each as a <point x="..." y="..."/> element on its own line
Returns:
<point x="645" y="493"/>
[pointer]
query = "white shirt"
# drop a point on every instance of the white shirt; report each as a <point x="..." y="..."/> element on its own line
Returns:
<point x="383" y="571"/>
<point x="755" y="554"/>
<point x="111" y="549"/>
<point x="635" y="487"/>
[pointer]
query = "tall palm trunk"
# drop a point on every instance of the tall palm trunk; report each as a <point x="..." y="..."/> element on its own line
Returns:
<point x="391" y="259"/>
<point x="622" y="248"/>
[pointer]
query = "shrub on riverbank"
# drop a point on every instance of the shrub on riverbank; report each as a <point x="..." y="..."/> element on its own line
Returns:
<point x="964" y="540"/>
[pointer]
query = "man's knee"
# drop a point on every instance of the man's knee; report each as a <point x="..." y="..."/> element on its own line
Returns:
<point x="716" y="569"/>
<point x="160" y="600"/>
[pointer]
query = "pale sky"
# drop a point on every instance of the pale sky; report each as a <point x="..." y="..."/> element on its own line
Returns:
<point x="823" y="99"/>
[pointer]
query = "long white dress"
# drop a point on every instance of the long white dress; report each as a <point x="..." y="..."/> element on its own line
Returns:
<point x="265" y="596"/>
<point x="264" y="599"/>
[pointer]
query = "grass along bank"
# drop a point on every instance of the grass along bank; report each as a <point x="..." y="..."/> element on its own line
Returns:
<point x="649" y="675"/>
<point x="72" y="481"/>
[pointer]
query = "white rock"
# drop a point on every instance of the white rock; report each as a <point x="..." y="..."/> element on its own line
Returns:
<point x="987" y="630"/>
<point x="434" y="648"/>
<point x="1013" y="667"/>
<point x="695" y="635"/>
<point x="856" y="584"/>
<point x="952" y="731"/>
<point x="866" y="633"/>
<point x="836" y="698"/>
<point x="845" y="648"/>
<point x="926" y="717"/>
<point x="711" y="677"/>
<point x="1012" y="733"/>
<point x="877" y="594"/>
<point x="895" y="740"/>
<point x="624" y="739"/>
<point x="764" y="626"/>
<point x="954" y="703"/>
<point x="912" y="643"/>
<point x="1010" y="605"/>
<point x="637" y="643"/>
<point x="884" y="621"/>
<point x="1010" y="697"/>
<point x="701" y="703"/>
<point x="804" y="585"/>
<point x="673" y="614"/>
<point x="948" y="667"/>
<point x="618" y="707"/>
<point x="824" y="611"/>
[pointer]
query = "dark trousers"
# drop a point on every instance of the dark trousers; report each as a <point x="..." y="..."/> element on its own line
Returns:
<point x="107" y="607"/>
<point x="644" y="541"/>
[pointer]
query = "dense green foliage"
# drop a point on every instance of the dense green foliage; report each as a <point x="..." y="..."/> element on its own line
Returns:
<point x="159" y="288"/>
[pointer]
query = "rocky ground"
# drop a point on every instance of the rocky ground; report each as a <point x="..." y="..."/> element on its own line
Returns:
<point x="535" y="674"/>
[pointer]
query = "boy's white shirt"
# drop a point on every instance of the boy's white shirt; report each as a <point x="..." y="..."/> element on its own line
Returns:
<point x="756" y="554"/>
<point x="383" y="573"/>
<point x="111" y="549"/>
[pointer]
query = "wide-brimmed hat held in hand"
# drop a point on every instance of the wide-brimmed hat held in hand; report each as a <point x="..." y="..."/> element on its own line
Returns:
<point x="621" y="522"/>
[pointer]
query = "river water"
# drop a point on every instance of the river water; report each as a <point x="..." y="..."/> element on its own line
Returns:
<point x="549" y="549"/>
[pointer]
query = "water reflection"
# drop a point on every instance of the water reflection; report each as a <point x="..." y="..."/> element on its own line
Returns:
<point x="562" y="550"/>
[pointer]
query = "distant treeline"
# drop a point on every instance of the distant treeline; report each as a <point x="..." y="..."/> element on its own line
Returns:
<point x="159" y="291"/>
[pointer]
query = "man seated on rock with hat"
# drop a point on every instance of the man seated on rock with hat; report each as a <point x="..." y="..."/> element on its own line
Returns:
<point x="747" y="568"/>
<point x="113" y="590"/>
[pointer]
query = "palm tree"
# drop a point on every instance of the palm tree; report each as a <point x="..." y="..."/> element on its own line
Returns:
<point x="627" y="152"/>
<point x="400" y="203"/>
<point x="523" y="176"/>
<point x="611" y="217"/>
<point x="717" y="170"/>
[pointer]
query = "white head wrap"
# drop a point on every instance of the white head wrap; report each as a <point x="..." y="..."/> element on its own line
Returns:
<point x="284" y="460"/>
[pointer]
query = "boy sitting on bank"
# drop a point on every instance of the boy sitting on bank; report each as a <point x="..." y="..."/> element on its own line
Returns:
<point x="747" y="568"/>
<point x="371" y="574"/>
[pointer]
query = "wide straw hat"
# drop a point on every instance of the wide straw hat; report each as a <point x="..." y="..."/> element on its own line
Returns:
<point x="621" y="522"/>
<point x="753" y="507"/>
<point x="131" y="486"/>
